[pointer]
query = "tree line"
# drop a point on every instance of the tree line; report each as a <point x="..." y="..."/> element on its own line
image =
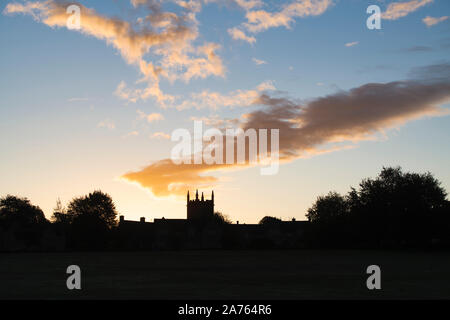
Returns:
<point x="396" y="209"/>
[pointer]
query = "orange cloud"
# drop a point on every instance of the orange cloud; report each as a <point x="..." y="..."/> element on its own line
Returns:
<point x="261" y="20"/>
<point x="216" y="100"/>
<point x="398" y="10"/>
<point x="430" y="21"/>
<point x="237" y="34"/>
<point x="150" y="117"/>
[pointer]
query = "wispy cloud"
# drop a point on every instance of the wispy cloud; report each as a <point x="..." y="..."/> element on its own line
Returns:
<point x="396" y="10"/>
<point x="152" y="117"/>
<point x="259" y="62"/>
<point x="107" y="123"/>
<point x="217" y="100"/>
<point x="131" y="134"/>
<point x="160" y="135"/>
<point x="418" y="49"/>
<point x="431" y="21"/>
<point x="351" y="44"/>
<point x="237" y="34"/>
<point x="259" y="20"/>
<point x="77" y="99"/>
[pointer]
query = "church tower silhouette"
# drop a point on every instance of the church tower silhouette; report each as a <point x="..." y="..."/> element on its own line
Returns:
<point x="200" y="209"/>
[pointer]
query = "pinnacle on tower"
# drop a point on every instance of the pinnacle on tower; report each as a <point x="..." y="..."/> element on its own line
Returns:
<point x="196" y="195"/>
<point x="203" y="198"/>
<point x="188" y="196"/>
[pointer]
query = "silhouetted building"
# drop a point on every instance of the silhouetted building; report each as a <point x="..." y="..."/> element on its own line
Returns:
<point x="199" y="231"/>
<point x="200" y="209"/>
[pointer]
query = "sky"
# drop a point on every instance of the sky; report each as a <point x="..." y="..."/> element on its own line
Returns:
<point x="94" y="107"/>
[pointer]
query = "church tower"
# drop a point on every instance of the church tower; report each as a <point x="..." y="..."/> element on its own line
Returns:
<point x="200" y="209"/>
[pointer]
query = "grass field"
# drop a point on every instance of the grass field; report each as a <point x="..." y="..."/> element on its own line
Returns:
<point x="305" y="274"/>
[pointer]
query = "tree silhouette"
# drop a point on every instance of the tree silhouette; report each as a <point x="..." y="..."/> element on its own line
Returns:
<point x="19" y="210"/>
<point x="91" y="218"/>
<point x="96" y="204"/>
<point x="60" y="215"/>
<point x="328" y="209"/>
<point x="269" y="220"/>
<point x="394" y="209"/>
<point x="221" y="218"/>
<point x="23" y="219"/>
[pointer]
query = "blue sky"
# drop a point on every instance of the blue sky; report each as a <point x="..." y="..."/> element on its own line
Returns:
<point x="65" y="132"/>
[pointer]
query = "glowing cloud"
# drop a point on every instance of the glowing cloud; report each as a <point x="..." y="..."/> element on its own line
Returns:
<point x="396" y="10"/>
<point x="169" y="35"/>
<point x="237" y="34"/>
<point x="430" y="21"/>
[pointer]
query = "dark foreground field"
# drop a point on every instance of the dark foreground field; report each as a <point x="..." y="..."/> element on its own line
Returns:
<point x="225" y="275"/>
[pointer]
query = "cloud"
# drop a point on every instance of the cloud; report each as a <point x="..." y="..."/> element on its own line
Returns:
<point x="152" y="117"/>
<point x="237" y="34"/>
<point x="107" y="123"/>
<point x="325" y="124"/>
<point x="167" y="35"/>
<point x="216" y="100"/>
<point x="418" y="49"/>
<point x="396" y="10"/>
<point x="244" y="4"/>
<point x="131" y="134"/>
<point x="160" y="135"/>
<point x="259" y="62"/>
<point x="431" y="21"/>
<point x="262" y="20"/>
<point x="249" y="4"/>
<point x="77" y="99"/>
<point x="164" y="178"/>
<point x="351" y="44"/>
<point x="216" y="122"/>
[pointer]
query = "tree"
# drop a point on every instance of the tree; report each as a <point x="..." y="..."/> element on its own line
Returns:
<point x="19" y="210"/>
<point x="221" y="218"/>
<point x="328" y="208"/>
<point x="91" y="217"/>
<point x="269" y="220"/>
<point x="60" y="215"/>
<point x="25" y="220"/>
<point x="396" y="207"/>
<point x="96" y="204"/>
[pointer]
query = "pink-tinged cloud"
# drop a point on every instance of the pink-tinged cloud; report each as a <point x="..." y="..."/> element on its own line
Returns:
<point x="259" y="20"/>
<point x="431" y="21"/>
<point x="396" y="10"/>
<point x="168" y="35"/>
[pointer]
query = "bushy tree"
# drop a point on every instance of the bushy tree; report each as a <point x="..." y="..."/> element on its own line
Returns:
<point x="91" y="218"/>
<point x="25" y="220"/>
<point x="96" y="204"/>
<point x="19" y="210"/>
<point x="394" y="209"/>
<point x="328" y="209"/>
<point x="221" y="218"/>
